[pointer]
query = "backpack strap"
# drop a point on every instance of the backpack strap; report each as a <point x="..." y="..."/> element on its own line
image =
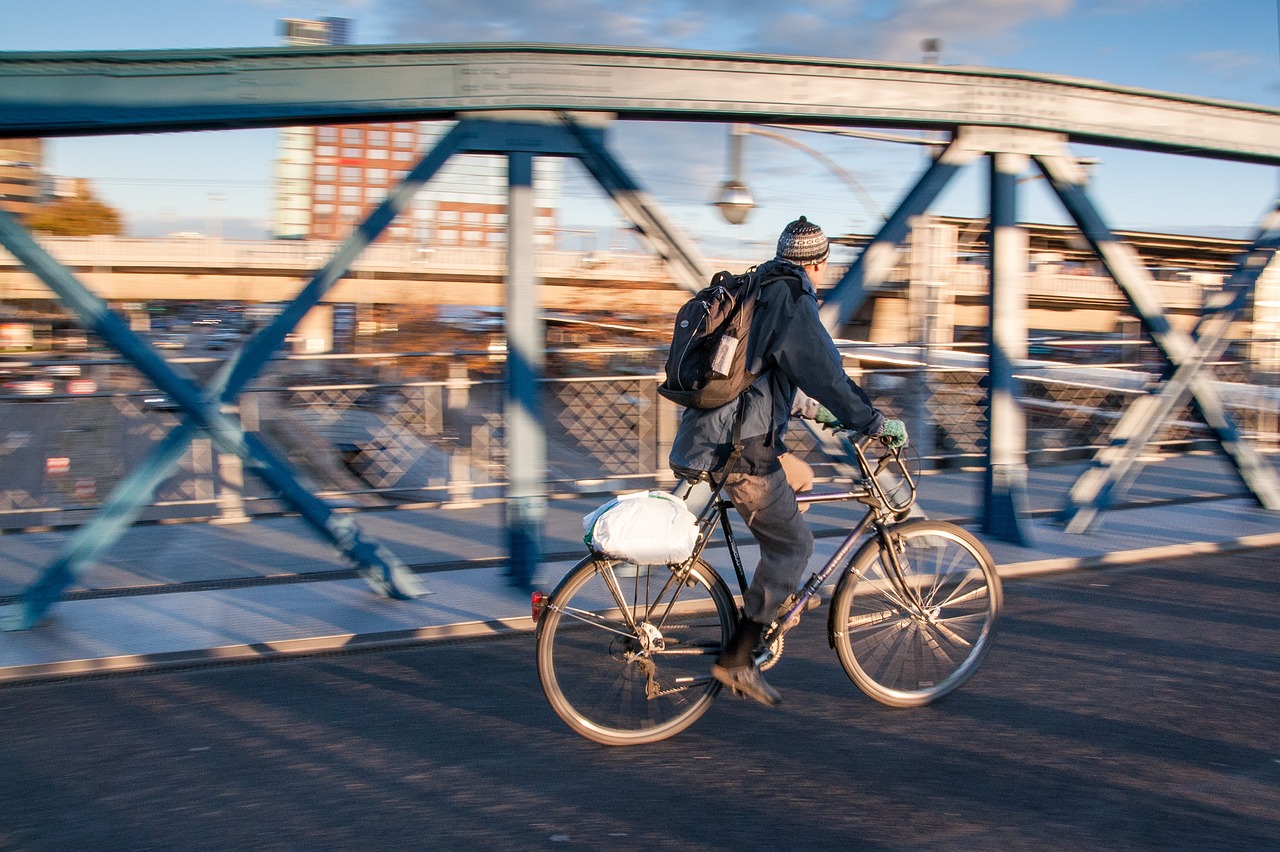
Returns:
<point x="736" y="455"/>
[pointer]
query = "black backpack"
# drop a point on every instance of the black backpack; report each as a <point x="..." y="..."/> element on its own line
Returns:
<point x="707" y="364"/>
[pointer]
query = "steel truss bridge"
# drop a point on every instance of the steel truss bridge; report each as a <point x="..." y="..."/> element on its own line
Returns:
<point x="525" y="100"/>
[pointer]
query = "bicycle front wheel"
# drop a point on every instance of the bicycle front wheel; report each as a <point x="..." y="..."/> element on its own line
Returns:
<point x="910" y="634"/>
<point x="624" y="651"/>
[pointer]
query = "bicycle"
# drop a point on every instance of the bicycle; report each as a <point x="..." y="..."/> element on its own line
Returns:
<point x="624" y="651"/>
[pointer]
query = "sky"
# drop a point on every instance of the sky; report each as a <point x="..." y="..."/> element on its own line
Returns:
<point x="219" y="182"/>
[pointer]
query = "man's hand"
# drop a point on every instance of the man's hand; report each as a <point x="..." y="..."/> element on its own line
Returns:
<point x="826" y="418"/>
<point x="894" y="434"/>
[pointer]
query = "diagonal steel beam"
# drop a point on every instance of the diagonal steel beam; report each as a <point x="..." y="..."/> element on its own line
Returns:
<point x="877" y="259"/>
<point x="685" y="260"/>
<point x="203" y="410"/>
<point x="1116" y="465"/>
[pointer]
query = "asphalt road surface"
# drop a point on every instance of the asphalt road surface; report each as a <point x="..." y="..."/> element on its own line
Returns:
<point x="1128" y="709"/>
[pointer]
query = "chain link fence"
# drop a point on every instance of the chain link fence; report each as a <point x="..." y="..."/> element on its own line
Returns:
<point x="371" y="431"/>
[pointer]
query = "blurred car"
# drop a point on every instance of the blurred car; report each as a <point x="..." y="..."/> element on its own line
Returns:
<point x="29" y="387"/>
<point x="160" y="402"/>
<point x="171" y="341"/>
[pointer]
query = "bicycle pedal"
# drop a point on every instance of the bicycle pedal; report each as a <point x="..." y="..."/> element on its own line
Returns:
<point x="812" y="603"/>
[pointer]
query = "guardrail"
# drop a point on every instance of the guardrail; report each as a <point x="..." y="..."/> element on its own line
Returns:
<point x="421" y="428"/>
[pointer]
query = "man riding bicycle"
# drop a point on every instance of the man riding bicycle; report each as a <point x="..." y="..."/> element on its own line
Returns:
<point x="790" y="351"/>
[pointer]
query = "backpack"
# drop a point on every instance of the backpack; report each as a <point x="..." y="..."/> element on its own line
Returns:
<point x="707" y="364"/>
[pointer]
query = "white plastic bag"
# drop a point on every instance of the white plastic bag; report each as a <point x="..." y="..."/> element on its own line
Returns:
<point x="646" y="528"/>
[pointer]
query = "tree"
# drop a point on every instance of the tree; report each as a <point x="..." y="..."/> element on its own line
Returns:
<point x="81" y="216"/>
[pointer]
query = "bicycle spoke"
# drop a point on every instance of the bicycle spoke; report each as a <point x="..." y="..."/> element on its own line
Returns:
<point x="913" y="636"/>
<point x="637" y="682"/>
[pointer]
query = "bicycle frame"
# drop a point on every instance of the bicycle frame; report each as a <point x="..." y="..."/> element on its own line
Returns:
<point x="882" y="513"/>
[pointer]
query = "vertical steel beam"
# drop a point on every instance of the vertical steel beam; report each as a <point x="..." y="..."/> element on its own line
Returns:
<point x="1005" y="481"/>
<point x="878" y="258"/>
<point x="1116" y="466"/>
<point x="526" y="357"/>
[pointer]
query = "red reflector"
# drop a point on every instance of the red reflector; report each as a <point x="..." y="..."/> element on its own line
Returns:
<point x="539" y="601"/>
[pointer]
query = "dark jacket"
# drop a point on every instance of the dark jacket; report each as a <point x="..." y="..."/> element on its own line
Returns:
<point x="790" y="349"/>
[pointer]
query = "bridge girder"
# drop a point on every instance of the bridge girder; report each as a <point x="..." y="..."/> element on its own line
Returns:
<point x="80" y="93"/>
<point x="1003" y="114"/>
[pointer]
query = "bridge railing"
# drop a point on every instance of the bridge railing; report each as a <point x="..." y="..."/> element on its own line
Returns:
<point x="427" y="428"/>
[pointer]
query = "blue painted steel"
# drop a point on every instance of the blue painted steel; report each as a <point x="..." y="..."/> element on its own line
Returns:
<point x="686" y="262"/>
<point x="1117" y="465"/>
<point x="381" y="568"/>
<point x="526" y="441"/>
<point x="849" y="293"/>
<point x="118" y="512"/>
<point x="74" y="93"/>
<point x="1004" y="484"/>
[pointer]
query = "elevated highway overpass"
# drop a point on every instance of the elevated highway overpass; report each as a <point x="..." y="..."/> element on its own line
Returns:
<point x="211" y="269"/>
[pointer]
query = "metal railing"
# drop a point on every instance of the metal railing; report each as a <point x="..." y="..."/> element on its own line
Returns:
<point x="427" y="428"/>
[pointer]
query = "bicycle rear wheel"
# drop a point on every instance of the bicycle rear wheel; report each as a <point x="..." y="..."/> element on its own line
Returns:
<point x="907" y="642"/>
<point x="624" y="651"/>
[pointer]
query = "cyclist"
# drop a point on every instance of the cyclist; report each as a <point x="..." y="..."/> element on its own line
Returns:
<point x="790" y="350"/>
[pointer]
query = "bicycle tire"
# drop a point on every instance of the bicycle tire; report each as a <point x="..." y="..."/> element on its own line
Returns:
<point x="908" y="655"/>
<point x="598" y="672"/>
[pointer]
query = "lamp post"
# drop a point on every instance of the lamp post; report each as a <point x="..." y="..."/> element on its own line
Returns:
<point x="735" y="200"/>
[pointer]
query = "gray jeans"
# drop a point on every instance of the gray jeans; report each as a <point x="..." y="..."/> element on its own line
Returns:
<point x="768" y="505"/>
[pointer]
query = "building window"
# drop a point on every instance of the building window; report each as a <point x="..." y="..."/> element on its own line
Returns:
<point x="377" y="137"/>
<point x="326" y="151"/>
<point x="351" y="193"/>
<point x="352" y="153"/>
<point x="351" y="135"/>
<point x="326" y="172"/>
<point x="324" y="209"/>
<point x="350" y="174"/>
<point x="378" y="176"/>
<point x="402" y="155"/>
<point x="404" y="140"/>
<point x="325" y="191"/>
<point x="374" y="193"/>
<point x="376" y="154"/>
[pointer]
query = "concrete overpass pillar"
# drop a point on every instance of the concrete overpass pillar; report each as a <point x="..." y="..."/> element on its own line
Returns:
<point x="314" y="335"/>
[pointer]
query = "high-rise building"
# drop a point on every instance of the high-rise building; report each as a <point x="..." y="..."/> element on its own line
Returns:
<point x="328" y="178"/>
<point x="22" y="181"/>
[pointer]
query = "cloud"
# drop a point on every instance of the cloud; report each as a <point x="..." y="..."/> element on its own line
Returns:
<point x="1228" y="65"/>
<point x="873" y="29"/>
<point x="639" y="23"/>
<point x="684" y="164"/>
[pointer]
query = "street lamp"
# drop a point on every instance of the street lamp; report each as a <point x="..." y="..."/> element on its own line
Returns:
<point x="735" y="200"/>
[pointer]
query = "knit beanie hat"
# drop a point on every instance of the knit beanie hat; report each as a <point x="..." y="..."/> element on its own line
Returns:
<point x="803" y="243"/>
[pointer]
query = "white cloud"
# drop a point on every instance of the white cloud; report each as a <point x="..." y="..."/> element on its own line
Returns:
<point x="1229" y="65"/>
<point x="889" y="29"/>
